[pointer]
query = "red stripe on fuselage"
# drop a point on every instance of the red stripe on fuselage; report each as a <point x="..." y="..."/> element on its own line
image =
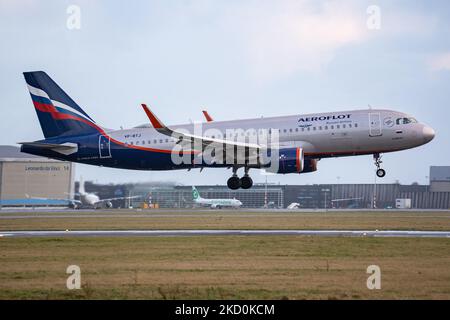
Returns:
<point x="64" y="116"/>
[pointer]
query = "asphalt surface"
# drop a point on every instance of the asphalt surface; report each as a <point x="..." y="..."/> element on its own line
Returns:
<point x="174" y="233"/>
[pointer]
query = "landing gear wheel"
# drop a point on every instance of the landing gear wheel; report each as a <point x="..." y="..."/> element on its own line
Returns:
<point x="234" y="183"/>
<point x="381" y="173"/>
<point x="246" y="182"/>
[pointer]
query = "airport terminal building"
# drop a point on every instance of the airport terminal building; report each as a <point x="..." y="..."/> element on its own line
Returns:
<point x="27" y="179"/>
<point x="317" y="196"/>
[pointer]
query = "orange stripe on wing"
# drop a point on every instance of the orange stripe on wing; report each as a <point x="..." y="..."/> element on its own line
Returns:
<point x="153" y="119"/>
<point x="207" y="116"/>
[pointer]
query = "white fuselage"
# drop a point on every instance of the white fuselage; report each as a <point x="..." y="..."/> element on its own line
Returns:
<point x="89" y="199"/>
<point x="333" y="134"/>
<point x="217" y="203"/>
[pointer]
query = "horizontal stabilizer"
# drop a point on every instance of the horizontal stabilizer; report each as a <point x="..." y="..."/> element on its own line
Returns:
<point x="64" y="148"/>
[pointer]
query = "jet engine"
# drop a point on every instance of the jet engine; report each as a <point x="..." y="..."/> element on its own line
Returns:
<point x="290" y="160"/>
<point x="108" y="204"/>
<point x="310" y="165"/>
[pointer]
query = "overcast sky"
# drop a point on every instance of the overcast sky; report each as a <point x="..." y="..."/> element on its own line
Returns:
<point x="237" y="59"/>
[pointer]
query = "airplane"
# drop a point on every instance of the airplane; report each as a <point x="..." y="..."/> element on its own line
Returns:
<point x="293" y="206"/>
<point x="287" y="144"/>
<point x="214" y="203"/>
<point x="87" y="199"/>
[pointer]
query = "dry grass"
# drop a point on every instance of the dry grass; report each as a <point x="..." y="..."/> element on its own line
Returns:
<point x="229" y="220"/>
<point x="237" y="267"/>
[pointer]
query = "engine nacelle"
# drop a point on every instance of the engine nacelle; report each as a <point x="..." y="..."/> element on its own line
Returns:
<point x="290" y="160"/>
<point x="108" y="204"/>
<point x="310" y="165"/>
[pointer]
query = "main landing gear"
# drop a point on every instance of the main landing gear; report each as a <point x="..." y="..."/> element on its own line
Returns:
<point x="235" y="183"/>
<point x="380" y="172"/>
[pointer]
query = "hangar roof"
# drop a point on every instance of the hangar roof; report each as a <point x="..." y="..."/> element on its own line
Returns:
<point x="440" y="173"/>
<point x="12" y="153"/>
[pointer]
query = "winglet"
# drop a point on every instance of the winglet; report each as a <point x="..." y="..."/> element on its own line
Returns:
<point x="207" y="116"/>
<point x="156" y="123"/>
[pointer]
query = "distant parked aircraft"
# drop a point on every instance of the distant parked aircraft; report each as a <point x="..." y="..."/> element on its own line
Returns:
<point x="214" y="203"/>
<point x="293" y="205"/>
<point x="87" y="199"/>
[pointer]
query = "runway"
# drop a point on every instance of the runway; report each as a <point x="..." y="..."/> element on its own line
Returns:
<point x="176" y="233"/>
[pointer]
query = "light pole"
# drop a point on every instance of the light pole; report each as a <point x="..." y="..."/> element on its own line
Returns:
<point x="374" y="198"/>
<point x="265" y="195"/>
<point x="325" y="191"/>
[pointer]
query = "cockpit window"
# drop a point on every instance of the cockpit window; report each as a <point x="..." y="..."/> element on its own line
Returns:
<point x="405" y="120"/>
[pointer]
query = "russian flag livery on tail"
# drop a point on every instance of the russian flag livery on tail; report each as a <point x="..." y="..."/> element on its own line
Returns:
<point x="58" y="114"/>
<point x="283" y="145"/>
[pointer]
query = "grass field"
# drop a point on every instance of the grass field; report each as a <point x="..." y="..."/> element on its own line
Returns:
<point x="225" y="267"/>
<point x="227" y="220"/>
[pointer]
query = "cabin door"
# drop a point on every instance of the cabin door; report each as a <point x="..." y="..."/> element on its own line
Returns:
<point x="374" y="124"/>
<point x="104" y="147"/>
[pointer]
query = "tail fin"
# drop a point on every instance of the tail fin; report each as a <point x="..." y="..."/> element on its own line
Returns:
<point x="81" y="186"/>
<point x="195" y="194"/>
<point x="58" y="114"/>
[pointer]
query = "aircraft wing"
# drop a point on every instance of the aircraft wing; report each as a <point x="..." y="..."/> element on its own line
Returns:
<point x="252" y="150"/>
<point x="57" y="199"/>
<point x="117" y="198"/>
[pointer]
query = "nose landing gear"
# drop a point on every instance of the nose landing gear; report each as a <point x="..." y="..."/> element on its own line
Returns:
<point x="380" y="172"/>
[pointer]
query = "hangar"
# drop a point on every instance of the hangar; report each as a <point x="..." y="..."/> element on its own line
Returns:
<point x="24" y="178"/>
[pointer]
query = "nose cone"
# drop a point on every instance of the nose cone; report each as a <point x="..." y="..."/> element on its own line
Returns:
<point x="428" y="134"/>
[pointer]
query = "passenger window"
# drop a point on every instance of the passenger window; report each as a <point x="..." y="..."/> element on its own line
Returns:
<point x="160" y="141"/>
<point x="137" y="142"/>
<point x="343" y="126"/>
<point x="143" y="141"/>
<point x="349" y="125"/>
<point x="303" y="129"/>
<point x="332" y="127"/>
<point x="290" y="130"/>
<point x="326" y="127"/>
<point x="149" y="141"/>
<point x="131" y="142"/>
<point x="356" y="125"/>
<point x="314" y="128"/>
<point x="155" y="141"/>
<point x="284" y="130"/>
<point x="338" y="126"/>
<point x="320" y="127"/>
<point x="296" y="129"/>
<point x="309" y="128"/>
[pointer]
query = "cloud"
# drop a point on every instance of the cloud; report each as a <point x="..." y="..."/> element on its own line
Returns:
<point x="284" y="37"/>
<point x="440" y="62"/>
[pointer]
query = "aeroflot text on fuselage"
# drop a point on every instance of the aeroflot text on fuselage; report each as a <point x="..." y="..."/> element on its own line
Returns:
<point x="321" y="118"/>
